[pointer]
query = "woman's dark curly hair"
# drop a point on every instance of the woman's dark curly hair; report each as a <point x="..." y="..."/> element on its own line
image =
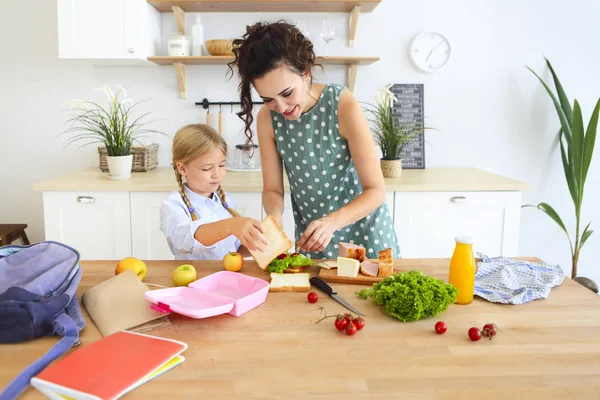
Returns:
<point x="263" y="48"/>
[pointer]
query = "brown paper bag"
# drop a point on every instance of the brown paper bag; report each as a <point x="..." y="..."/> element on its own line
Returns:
<point x="119" y="304"/>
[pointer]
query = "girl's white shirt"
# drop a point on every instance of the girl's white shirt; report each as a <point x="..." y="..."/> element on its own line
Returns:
<point x="177" y="225"/>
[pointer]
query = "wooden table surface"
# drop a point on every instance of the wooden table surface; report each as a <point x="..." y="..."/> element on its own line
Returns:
<point x="548" y="349"/>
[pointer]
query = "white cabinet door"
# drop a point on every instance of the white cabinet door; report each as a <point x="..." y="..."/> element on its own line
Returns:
<point x="107" y="29"/>
<point x="428" y="222"/>
<point x="147" y="240"/>
<point x="249" y="204"/>
<point x="95" y="224"/>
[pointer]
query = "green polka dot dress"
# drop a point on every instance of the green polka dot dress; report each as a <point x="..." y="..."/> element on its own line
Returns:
<point x="323" y="178"/>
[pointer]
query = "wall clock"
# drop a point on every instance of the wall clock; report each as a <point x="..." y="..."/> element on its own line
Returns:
<point x="430" y="51"/>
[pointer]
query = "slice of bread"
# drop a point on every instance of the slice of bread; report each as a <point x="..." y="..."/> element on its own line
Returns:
<point x="386" y="263"/>
<point x="289" y="282"/>
<point x="350" y="250"/>
<point x="278" y="243"/>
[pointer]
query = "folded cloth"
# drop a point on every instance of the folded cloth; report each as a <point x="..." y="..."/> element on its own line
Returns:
<point x="509" y="281"/>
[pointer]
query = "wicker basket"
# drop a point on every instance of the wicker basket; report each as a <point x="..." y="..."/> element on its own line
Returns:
<point x="145" y="158"/>
<point x="391" y="168"/>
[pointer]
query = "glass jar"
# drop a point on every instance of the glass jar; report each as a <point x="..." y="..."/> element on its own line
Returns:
<point x="178" y="45"/>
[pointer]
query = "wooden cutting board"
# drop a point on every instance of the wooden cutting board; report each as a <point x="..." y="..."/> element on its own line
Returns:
<point x="330" y="275"/>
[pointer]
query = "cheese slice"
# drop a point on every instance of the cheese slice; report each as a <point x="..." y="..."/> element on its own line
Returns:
<point x="347" y="267"/>
<point x="327" y="264"/>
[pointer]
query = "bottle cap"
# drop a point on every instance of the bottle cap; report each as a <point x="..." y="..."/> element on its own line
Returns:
<point x="464" y="239"/>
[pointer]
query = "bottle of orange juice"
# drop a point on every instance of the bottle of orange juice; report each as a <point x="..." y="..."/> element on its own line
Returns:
<point x="462" y="270"/>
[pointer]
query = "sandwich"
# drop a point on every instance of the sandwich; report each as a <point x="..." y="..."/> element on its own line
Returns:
<point x="289" y="263"/>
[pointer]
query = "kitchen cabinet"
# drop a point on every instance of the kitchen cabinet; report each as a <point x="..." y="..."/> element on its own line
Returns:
<point x="108" y="29"/>
<point x="97" y="224"/>
<point x="427" y="222"/>
<point x="111" y="220"/>
<point x="147" y="240"/>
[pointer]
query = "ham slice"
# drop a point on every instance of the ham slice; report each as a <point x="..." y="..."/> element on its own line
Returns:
<point x="350" y="250"/>
<point x="369" y="268"/>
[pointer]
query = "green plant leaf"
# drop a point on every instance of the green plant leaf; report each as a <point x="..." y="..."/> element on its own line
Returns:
<point x="564" y="101"/>
<point x="589" y="142"/>
<point x="577" y="151"/>
<point x="569" y="174"/>
<point x="545" y="207"/>
<point x="585" y="235"/>
<point x="561" y="115"/>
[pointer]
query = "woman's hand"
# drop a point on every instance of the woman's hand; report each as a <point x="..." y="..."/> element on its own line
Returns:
<point x="250" y="233"/>
<point x="318" y="234"/>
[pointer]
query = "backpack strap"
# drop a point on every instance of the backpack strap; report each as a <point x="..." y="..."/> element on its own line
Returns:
<point x="70" y="339"/>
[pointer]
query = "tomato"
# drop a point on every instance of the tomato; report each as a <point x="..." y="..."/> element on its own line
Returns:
<point x="341" y="322"/>
<point x="359" y="322"/>
<point x="294" y="254"/>
<point x="440" y="327"/>
<point x="351" y="329"/>
<point x="282" y="256"/>
<point x="474" y="334"/>
<point x="313" y="297"/>
<point x="489" y="330"/>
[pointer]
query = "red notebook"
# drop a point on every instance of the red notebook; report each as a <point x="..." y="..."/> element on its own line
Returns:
<point x="110" y="367"/>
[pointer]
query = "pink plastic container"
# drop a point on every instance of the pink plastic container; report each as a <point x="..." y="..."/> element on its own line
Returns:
<point x="223" y="292"/>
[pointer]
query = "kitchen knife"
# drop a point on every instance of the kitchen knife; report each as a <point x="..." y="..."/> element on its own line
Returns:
<point x="324" y="286"/>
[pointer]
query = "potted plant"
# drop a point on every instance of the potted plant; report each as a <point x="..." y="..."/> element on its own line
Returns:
<point x="391" y="136"/>
<point x="115" y="127"/>
<point x="576" y="150"/>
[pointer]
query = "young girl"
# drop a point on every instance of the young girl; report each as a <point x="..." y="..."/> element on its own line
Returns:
<point x="319" y="134"/>
<point x="199" y="220"/>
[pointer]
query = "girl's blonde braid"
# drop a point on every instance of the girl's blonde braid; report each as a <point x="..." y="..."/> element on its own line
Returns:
<point x="185" y="198"/>
<point x="221" y="194"/>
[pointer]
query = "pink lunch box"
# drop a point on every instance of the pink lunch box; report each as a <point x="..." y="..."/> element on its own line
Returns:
<point x="223" y="292"/>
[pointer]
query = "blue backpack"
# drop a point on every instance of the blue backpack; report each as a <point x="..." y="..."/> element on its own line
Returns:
<point x="37" y="299"/>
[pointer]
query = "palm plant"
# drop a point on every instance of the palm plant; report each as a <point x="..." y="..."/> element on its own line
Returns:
<point x="576" y="150"/>
<point x="390" y="136"/>
<point x="113" y="126"/>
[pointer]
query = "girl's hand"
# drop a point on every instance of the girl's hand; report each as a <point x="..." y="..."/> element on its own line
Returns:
<point x="250" y="233"/>
<point x="317" y="235"/>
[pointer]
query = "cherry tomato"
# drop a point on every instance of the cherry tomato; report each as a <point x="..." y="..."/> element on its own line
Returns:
<point x="474" y="334"/>
<point x="312" y="297"/>
<point x="351" y="329"/>
<point x="341" y="322"/>
<point x="359" y="322"/>
<point x="440" y="327"/>
<point x="294" y="254"/>
<point x="282" y="256"/>
<point x="489" y="330"/>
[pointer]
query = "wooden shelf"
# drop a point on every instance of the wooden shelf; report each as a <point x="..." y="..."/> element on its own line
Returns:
<point x="223" y="60"/>
<point x="180" y="63"/>
<point x="353" y="7"/>
<point x="264" y="5"/>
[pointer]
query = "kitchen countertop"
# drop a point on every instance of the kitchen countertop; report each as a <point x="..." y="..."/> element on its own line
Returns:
<point x="163" y="180"/>
<point x="546" y="349"/>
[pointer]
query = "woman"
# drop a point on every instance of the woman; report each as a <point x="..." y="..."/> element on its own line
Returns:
<point x="319" y="132"/>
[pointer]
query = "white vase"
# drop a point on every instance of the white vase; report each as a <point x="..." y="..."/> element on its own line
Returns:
<point x="119" y="167"/>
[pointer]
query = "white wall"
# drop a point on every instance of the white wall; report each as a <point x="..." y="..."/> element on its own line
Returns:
<point x="491" y="112"/>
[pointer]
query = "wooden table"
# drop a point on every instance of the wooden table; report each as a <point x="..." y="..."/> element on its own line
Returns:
<point x="547" y="349"/>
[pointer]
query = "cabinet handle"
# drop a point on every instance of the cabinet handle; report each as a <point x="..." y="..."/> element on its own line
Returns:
<point x="458" y="199"/>
<point x="86" y="199"/>
<point x="131" y="50"/>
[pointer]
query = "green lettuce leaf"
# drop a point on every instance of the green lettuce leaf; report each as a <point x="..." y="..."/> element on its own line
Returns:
<point x="411" y="295"/>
